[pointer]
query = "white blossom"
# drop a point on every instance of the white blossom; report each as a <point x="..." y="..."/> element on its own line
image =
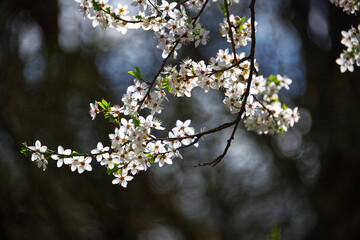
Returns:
<point x="134" y="144"/>
<point x="122" y="179"/>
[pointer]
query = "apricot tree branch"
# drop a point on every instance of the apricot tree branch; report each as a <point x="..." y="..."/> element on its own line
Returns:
<point x="246" y="94"/>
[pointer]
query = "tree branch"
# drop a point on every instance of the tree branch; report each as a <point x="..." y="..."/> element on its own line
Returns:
<point x="230" y="29"/>
<point x="151" y="84"/>
<point x="246" y="94"/>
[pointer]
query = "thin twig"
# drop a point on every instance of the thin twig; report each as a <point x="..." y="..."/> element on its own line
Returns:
<point x="230" y="29"/>
<point x="167" y="58"/>
<point x="221" y="70"/>
<point x="219" y="158"/>
<point x="262" y="104"/>
<point x="181" y="3"/>
<point x="246" y="94"/>
<point x="198" y="135"/>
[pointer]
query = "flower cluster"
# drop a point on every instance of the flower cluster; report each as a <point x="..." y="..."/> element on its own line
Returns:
<point x="265" y="116"/>
<point x="133" y="145"/>
<point x="350" y="39"/>
<point x="349" y="6"/>
<point x="133" y="149"/>
<point x="351" y="55"/>
<point x="40" y="154"/>
<point x="169" y="21"/>
<point x="241" y="31"/>
<point x="270" y="116"/>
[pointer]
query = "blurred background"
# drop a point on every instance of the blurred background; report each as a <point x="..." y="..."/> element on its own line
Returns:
<point x="302" y="184"/>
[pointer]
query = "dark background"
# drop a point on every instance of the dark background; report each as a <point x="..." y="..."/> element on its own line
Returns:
<point x="301" y="185"/>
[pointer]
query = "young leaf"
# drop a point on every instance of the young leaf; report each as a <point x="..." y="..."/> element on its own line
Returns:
<point x="101" y="105"/>
<point x="24" y="149"/>
<point x="136" y="121"/>
<point x="165" y="83"/>
<point x="96" y="5"/>
<point x="137" y="72"/>
<point x="275" y="233"/>
<point x="132" y="73"/>
<point x="222" y="6"/>
<point x="111" y="171"/>
<point x="273" y="79"/>
<point x="105" y="103"/>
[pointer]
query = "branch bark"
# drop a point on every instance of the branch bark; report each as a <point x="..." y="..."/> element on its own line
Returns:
<point x="246" y="94"/>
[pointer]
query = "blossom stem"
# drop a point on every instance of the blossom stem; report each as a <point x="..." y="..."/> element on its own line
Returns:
<point x="230" y="28"/>
<point x="246" y="94"/>
<point x="167" y="58"/>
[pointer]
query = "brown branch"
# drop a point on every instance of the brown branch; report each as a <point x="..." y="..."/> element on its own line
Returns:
<point x="234" y="65"/>
<point x="219" y="158"/>
<point x="268" y="110"/>
<point x="219" y="71"/>
<point x="198" y="135"/>
<point x="246" y="94"/>
<point x="181" y="3"/>
<point x="230" y="29"/>
<point x="167" y="58"/>
<point x="116" y="17"/>
<point x="236" y="122"/>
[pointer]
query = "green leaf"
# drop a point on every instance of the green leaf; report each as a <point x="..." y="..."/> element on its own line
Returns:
<point x="101" y="105"/>
<point x="111" y="171"/>
<point x="222" y="6"/>
<point x="275" y="233"/>
<point x="241" y="22"/>
<point x="165" y="82"/>
<point x="151" y="157"/>
<point x="104" y="102"/>
<point x="96" y="5"/>
<point x="284" y="106"/>
<point x="136" y="121"/>
<point x="24" y="149"/>
<point x="137" y="72"/>
<point x="273" y="79"/>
